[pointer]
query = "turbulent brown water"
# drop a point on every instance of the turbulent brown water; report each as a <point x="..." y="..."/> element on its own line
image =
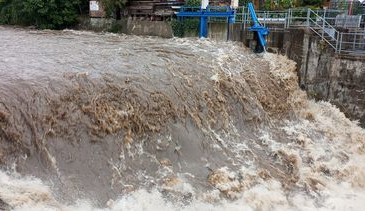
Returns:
<point x="102" y="121"/>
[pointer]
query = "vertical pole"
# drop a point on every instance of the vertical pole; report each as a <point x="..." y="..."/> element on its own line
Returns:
<point x="324" y="14"/>
<point x="289" y="17"/>
<point x="203" y="27"/>
<point x="244" y="17"/>
<point x="308" y="16"/>
<point x="353" y="47"/>
<point x="337" y="38"/>
<point x="286" y="20"/>
<point x="227" y="29"/>
<point x="339" y="50"/>
<point x="323" y="24"/>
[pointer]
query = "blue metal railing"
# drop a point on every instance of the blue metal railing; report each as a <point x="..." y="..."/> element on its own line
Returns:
<point x="321" y="22"/>
<point x="221" y="12"/>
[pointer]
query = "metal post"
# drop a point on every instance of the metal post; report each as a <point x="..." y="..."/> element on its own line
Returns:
<point x="290" y="17"/>
<point x="337" y="38"/>
<point x="324" y="14"/>
<point x="244" y="17"/>
<point x="244" y="20"/>
<point x="228" y="23"/>
<point x="285" y="17"/>
<point x="323" y="24"/>
<point x="203" y="27"/>
<point x="339" y="50"/>
<point x="308" y="16"/>
<point x="353" y="46"/>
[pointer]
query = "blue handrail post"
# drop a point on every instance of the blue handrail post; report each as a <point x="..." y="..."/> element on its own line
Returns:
<point x="203" y="32"/>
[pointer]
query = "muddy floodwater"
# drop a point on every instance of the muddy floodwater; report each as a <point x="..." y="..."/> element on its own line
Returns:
<point x="95" y="121"/>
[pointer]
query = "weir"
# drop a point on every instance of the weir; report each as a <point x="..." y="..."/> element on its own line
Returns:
<point x="167" y="124"/>
<point x="105" y="121"/>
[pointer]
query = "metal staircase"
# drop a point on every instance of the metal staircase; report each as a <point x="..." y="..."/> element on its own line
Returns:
<point x="323" y="29"/>
<point x="320" y="22"/>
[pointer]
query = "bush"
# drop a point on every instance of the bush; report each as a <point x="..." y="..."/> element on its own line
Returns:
<point x="116" y="27"/>
<point x="315" y="3"/>
<point x="44" y="14"/>
<point x="243" y="2"/>
<point x="278" y="4"/>
<point x="177" y="28"/>
<point x="112" y="8"/>
<point x="192" y="3"/>
<point x="187" y="25"/>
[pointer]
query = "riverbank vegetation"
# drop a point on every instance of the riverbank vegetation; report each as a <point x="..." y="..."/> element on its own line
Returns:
<point x="43" y="14"/>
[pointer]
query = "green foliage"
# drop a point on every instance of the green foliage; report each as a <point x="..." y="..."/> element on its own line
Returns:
<point x="267" y="5"/>
<point x="8" y="11"/>
<point x="177" y="28"/>
<point x="278" y="4"/>
<point x="191" y="25"/>
<point x="116" y="27"/>
<point x="243" y="2"/>
<point x="311" y="3"/>
<point x="188" y="25"/>
<point x="285" y="4"/>
<point x="192" y="3"/>
<point x="111" y="6"/>
<point x="50" y="14"/>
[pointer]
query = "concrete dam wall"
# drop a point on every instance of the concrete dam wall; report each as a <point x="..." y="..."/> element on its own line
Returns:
<point x="324" y="75"/>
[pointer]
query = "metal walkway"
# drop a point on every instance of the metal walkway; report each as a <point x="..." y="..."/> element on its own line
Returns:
<point x="321" y="22"/>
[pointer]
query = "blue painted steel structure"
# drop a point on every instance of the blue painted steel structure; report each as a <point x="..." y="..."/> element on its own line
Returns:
<point x="225" y="12"/>
<point x="261" y="30"/>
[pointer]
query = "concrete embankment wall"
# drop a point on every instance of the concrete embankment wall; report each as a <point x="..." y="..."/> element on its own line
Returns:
<point x="325" y="75"/>
<point x="322" y="73"/>
<point x="129" y="26"/>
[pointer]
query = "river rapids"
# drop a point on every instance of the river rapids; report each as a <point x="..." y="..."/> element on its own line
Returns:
<point x="97" y="121"/>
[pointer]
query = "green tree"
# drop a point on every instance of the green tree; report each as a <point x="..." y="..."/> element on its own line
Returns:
<point x="278" y="4"/>
<point x="192" y="3"/>
<point x="9" y="13"/>
<point x="312" y="3"/>
<point x="50" y="14"/>
<point x="113" y="7"/>
<point x="243" y="2"/>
